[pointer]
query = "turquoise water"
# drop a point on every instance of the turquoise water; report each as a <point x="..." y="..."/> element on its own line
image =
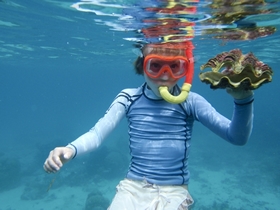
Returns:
<point x="60" y="70"/>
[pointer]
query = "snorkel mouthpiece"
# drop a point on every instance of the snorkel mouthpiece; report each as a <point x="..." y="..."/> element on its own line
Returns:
<point x="163" y="90"/>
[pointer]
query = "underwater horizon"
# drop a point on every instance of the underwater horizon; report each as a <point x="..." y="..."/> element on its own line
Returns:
<point x="61" y="68"/>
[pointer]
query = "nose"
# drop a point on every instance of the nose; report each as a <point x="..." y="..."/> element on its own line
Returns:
<point x="165" y="75"/>
<point x="165" y="72"/>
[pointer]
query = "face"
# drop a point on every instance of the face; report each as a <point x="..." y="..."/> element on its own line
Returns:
<point x="163" y="67"/>
<point x="164" y="79"/>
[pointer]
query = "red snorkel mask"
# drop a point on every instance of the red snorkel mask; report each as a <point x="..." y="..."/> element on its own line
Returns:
<point x="156" y="65"/>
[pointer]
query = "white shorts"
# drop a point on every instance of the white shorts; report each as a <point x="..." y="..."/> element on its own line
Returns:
<point x="140" y="195"/>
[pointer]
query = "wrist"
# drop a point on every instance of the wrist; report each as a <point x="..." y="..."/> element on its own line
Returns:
<point x="74" y="150"/>
<point x="243" y="101"/>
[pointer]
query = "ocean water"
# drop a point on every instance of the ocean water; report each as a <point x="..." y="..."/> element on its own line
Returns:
<point x="60" y="69"/>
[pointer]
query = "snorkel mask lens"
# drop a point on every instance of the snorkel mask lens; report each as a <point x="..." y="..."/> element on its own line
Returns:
<point x="155" y="66"/>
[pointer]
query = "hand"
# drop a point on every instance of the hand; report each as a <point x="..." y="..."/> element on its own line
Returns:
<point x="57" y="158"/>
<point x="239" y="93"/>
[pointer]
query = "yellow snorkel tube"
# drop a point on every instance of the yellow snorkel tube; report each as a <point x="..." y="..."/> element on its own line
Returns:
<point x="164" y="92"/>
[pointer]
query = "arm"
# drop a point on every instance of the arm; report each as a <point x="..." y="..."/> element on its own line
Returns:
<point x="90" y="140"/>
<point x="94" y="137"/>
<point x="236" y="131"/>
<point x="242" y="121"/>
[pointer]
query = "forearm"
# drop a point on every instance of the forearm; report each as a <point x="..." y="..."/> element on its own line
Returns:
<point x="94" y="137"/>
<point x="236" y="131"/>
<point x="242" y="121"/>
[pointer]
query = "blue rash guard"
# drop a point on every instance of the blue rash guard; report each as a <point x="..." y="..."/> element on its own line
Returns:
<point x="160" y="132"/>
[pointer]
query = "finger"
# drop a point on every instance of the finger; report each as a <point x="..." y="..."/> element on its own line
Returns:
<point x="48" y="168"/>
<point x="53" y="162"/>
<point x="229" y="90"/>
<point x="52" y="165"/>
<point x="56" y="162"/>
<point x="67" y="156"/>
<point x="54" y="157"/>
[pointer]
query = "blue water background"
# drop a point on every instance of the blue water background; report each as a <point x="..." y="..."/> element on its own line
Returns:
<point x="59" y="72"/>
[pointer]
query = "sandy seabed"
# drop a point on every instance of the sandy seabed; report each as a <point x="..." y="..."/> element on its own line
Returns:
<point x="217" y="190"/>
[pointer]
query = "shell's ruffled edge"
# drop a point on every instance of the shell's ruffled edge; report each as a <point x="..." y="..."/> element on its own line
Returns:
<point x="245" y="79"/>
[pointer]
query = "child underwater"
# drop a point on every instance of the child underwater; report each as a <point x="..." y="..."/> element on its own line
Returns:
<point x="160" y="131"/>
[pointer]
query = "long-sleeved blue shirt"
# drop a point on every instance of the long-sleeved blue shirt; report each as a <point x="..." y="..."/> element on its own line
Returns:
<point x="160" y="132"/>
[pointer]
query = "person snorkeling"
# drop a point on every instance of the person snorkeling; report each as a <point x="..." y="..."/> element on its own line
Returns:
<point x="160" y="120"/>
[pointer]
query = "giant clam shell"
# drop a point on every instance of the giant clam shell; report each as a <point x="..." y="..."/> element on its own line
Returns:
<point x="245" y="71"/>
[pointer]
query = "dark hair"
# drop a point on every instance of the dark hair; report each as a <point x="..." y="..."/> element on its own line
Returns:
<point x="138" y="65"/>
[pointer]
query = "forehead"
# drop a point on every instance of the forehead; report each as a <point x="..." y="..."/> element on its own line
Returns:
<point x="165" y="50"/>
